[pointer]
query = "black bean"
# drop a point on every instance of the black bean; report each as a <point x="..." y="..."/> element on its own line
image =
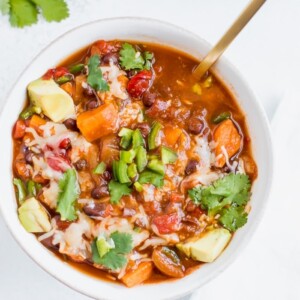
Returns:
<point x="92" y="104"/>
<point x="144" y="128"/>
<point x="99" y="192"/>
<point x="24" y="149"/>
<point x="107" y="176"/>
<point x="191" y="167"/>
<point x="195" y="125"/>
<point x="88" y="91"/>
<point x="148" y="98"/>
<point x="81" y="164"/>
<point x="28" y="157"/>
<point x="96" y="209"/>
<point x="131" y="73"/>
<point x="71" y="124"/>
<point x="114" y="57"/>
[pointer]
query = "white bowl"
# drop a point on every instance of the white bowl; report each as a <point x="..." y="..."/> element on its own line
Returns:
<point x="140" y="30"/>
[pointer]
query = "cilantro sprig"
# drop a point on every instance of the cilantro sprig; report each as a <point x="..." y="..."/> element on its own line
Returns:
<point x="115" y="258"/>
<point x="69" y="192"/>
<point x="25" y="12"/>
<point x="130" y="59"/>
<point x="117" y="190"/>
<point x="227" y="196"/>
<point x="95" y="78"/>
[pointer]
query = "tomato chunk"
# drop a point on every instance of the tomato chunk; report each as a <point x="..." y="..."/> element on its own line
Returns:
<point x="65" y="144"/>
<point x="139" y="83"/>
<point x="57" y="163"/>
<point x="167" y="223"/>
<point x="55" y="73"/>
<point x="102" y="47"/>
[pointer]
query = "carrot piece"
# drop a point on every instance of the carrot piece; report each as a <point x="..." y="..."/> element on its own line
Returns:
<point x="139" y="275"/>
<point x="35" y="123"/>
<point x="98" y="122"/>
<point x="40" y="179"/>
<point x="22" y="169"/>
<point x="19" y="129"/>
<point x="227" y="136"/>
<point x="68" y="87"/>
<point x="172" y="135"/>
<point x="78" y="88"/>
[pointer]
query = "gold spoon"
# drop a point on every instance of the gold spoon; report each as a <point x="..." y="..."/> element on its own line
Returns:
<point x="214" y="54"/>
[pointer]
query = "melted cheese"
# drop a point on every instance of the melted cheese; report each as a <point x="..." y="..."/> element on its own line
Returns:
<point x="130" y="113"/>
<point x="112" y="72"/>
<point x="73" y="241"/>
<point x="51" y="194"/>
<point x="110" y="225"/>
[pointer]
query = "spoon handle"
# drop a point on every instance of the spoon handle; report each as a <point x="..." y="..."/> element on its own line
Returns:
<point x="228" y="37"/>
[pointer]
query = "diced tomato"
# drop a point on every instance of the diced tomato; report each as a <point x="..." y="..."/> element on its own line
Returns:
<point x="152" y="207"/>
<point x="57" y="163"/>
<point x="102" y="47"/>
<point x="167" y="223"/>
<point x="19" y="129"/>
<point x="194" y="210"/>
<point x="197" y="212"/>
<point x="139" y="83"/>
<point x="65" y="144"/>
<point x="60" y="71"/>
<point x="176" y="197"/>
<point x="49" y="74"/>
<point x="55" y="73"/>
<point x="61" y="225"/>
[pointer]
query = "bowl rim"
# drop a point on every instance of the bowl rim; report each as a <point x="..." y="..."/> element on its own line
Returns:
<point x="258" y="106"/>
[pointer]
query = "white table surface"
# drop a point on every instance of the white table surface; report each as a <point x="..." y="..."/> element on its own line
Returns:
<point x="268" y="55"/>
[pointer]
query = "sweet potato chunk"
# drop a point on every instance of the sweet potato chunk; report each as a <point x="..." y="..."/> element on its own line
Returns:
<point x="226" y="135"/>
<point x="139" y="275"/>
<point x="172" y="135"/>
<point x="98" y="122"/>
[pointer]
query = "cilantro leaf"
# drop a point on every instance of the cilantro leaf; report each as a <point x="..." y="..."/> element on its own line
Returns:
<point x="123" y="242"/>
<point x="69" y="192"/>
<point x="227" y="196"/>
<point x="53" y="10"/>
<point x="235" y="187"/>
<point x="4" y="7"/>
<point x="231" y="189"/>
<point x="148" y="56"/>
<point x="110" y="260"/>
<point x="117" y="190"/>
<point x="115" y="258"/>
<point x="22" y="13"/>
<point x="196" y="194"/>
<point x="151" y="177"/>
<point x="95" y="78"/>
<point x="131" y="59"/>
<point x="233" y="218"/>
<point x="203" y="195"/>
